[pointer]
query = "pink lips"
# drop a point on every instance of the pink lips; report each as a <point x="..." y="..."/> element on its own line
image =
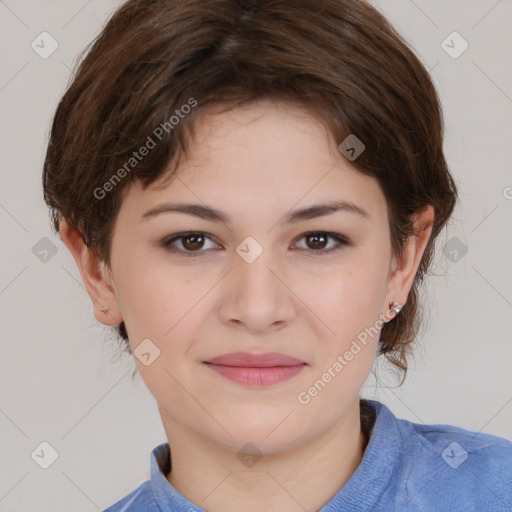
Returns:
<point x="256" y="369"/>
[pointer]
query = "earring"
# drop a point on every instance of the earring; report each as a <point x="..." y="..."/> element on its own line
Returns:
<point x="395" y="306"/>
<point x="104" y="311"/>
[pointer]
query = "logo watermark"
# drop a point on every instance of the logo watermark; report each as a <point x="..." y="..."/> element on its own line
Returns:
<point x="305" y="397"/>
<point x="143" y="151"/>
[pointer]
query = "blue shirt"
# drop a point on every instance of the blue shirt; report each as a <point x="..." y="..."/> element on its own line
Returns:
<point x="406" y="467"/>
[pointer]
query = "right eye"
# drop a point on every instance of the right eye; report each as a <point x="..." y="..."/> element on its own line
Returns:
<point x="191" y="242"/>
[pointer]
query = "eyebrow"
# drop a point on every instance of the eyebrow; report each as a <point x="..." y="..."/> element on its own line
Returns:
<point x="212" y="214"/>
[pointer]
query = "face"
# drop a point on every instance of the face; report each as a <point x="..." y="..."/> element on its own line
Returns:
<point x="262" y="279"/>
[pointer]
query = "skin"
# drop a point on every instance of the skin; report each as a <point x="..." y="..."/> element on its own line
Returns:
<point x="290" y="300"/>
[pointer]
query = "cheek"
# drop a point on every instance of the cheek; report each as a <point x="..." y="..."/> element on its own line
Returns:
<point x="167" y="306"/>
<point x="348" y="298"/>
<point x="349" y="303"/>
<point x="153" y="300"/>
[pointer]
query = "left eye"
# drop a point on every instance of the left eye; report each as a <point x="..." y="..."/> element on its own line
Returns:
<point x="320" y="238"/>
<point x="193" y="242"/>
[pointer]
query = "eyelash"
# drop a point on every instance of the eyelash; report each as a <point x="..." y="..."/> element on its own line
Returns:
<point x="166" y="243"/>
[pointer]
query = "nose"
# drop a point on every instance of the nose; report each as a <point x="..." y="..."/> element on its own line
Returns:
<point x="256" y="295"/>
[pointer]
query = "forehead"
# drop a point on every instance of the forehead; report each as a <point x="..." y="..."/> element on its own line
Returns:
<point x="265" y="155"/>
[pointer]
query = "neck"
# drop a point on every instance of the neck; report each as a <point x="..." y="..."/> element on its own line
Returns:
<point x="304" y="477"/>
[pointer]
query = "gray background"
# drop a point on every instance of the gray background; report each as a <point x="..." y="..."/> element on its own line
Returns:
<point x="60" y="382"/>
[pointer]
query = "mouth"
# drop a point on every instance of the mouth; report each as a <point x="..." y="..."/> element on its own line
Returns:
<point x="256" y="370"/>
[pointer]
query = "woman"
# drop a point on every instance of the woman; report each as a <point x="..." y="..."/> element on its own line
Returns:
<point x="252" y="192"/>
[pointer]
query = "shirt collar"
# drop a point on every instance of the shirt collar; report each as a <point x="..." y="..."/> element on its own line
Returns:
<point x="374" y="474"/>
<point x="360" y="492"/>
<point x="165" y="495"/>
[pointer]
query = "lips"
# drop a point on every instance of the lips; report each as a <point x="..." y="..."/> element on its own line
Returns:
<point x="247" y="360"/>
<point x="256" y="370"/>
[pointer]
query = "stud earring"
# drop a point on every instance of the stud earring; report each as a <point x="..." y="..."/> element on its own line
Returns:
<point x="395" y="306"/>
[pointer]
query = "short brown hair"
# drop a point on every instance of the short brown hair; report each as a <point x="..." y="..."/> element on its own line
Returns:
<point x="339" y="59"/>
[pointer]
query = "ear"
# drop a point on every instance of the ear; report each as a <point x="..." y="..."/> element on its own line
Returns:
<point x="94" y="274"/>
<point x="403" y="269"/>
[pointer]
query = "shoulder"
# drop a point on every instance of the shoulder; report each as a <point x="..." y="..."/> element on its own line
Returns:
<point x="456" y="445"/>
<point x="455" y="466"/>
<point x="140" y="499"/>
